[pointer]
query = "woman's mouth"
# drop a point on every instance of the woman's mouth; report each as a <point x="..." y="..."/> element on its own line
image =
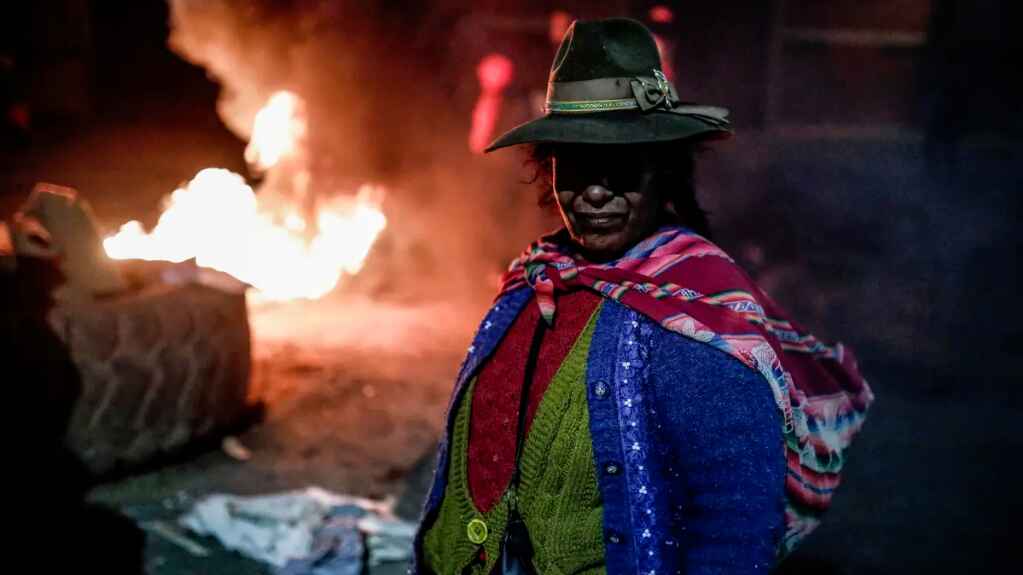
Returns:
<point x="601" y="222"/>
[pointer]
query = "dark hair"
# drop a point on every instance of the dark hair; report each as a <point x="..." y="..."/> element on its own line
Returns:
<point x="675" y="165"/>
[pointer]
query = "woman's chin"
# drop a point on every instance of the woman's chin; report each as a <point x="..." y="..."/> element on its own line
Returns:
<point x="603" y="246"/>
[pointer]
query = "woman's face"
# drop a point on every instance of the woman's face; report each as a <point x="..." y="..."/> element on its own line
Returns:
<point x="607" y="198"/>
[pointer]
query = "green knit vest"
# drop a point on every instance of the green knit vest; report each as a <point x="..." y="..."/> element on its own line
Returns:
<point x="558" y="495"/>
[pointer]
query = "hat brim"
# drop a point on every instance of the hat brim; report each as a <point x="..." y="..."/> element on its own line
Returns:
<point x="620" y="127"/>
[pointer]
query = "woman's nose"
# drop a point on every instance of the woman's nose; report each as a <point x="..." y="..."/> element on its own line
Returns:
<point x="597" y="195"/>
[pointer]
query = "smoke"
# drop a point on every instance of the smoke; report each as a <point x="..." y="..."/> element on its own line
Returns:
<point x="387" y="102"/>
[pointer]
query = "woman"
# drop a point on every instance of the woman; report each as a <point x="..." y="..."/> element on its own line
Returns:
<point x="632" y="403"/>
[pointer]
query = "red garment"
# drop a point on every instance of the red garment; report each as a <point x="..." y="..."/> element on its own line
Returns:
<point x="495" y="400"/>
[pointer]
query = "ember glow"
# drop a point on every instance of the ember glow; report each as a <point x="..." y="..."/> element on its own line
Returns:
<point x="218" y="220"/>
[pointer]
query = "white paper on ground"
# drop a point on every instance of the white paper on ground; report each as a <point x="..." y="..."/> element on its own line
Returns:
<point x="279" y="527"/>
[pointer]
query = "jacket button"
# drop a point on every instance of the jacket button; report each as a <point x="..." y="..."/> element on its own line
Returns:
<point x="477" y="531"/>
<point x="614" y="538"/>
<point x="600" y="390"/>
<point x="611" y="469"/>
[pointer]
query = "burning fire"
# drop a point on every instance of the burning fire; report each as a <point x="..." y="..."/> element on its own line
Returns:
<point x="275" y="131"/>
<point x="218" y="220"/>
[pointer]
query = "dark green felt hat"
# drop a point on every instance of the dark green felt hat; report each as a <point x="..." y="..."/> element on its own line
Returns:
<point x="607" y="87"/>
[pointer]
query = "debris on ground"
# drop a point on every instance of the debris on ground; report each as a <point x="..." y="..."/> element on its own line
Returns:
<point x="172" y="534"/>
<point x="305" y="532"/>
<point x="235" y="449"/>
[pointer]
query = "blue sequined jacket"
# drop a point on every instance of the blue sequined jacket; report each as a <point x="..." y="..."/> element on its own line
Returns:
<point x="686" y="441"/>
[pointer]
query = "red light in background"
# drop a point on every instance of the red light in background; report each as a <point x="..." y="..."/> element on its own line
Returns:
<point x="484" y="120"/>
<point x="661" y="14"/>
<point x="20" y="115"/>
<point x="495" y="72"/>
<point x="559" y="23"/>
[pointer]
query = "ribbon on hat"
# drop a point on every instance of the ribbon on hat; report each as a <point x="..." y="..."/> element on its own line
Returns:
<point x="645" y="93"/>
<point x="653" y="92"/>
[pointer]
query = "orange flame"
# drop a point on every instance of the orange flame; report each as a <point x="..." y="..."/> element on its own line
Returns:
<point x="277" y="131"/>
<point x="217" y="219"/>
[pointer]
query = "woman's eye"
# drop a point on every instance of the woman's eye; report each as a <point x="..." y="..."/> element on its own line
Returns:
<point x="623" y="181"/>
<point x="569" y="181"/>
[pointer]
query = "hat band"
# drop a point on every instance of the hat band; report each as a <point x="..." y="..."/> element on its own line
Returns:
<point x="640" y="92"/>
<point x="609" y="94"/>
<point x="588" y="106"/>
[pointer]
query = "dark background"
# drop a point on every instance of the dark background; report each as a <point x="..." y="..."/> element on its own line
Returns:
<point x="872" y="188"/>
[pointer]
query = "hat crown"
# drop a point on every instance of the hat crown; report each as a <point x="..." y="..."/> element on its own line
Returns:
<point x="606" y="86"/>
<point x="609" y="48"/>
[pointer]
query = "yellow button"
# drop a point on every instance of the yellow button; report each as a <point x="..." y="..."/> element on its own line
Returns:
<point x="477" y="531"/>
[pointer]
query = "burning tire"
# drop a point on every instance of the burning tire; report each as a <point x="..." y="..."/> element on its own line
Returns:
<point x="159" y="368"/>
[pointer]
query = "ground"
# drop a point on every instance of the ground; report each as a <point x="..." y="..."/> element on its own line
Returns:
<point x="355" y="392"/>
<point x="922" y="493"/>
